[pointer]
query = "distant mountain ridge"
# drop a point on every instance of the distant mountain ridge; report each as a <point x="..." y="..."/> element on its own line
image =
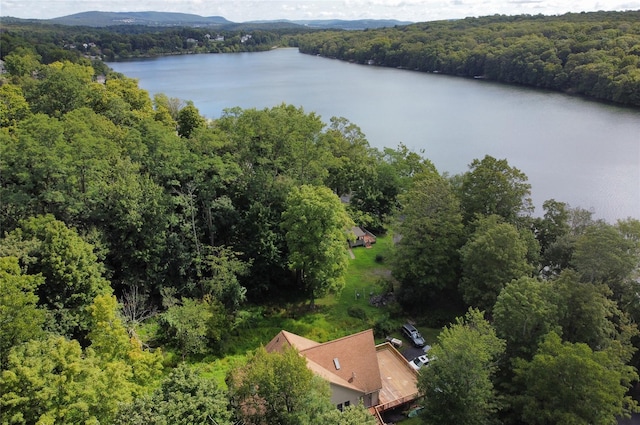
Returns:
<point x="157" y="19"/>
<point x="169" y="19"/>
<point x="357" y="24"/>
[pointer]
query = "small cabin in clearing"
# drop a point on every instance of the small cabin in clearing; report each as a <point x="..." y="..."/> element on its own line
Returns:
<point x="363" y="237"/>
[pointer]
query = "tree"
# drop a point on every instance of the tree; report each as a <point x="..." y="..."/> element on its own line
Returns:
<point x="351" y="415"/>
<point x="549" y="230"/>
<point x="392" y="174"/>
<point x="52" y="381"/>
<point x="526" y="310"/>
<point x="223" y="267"/>
<point x="603" y="255"/>
<point x="426" y="258"/>
<point x="554" y="223"/>
<point x="375" y="198"/>
<point x="186" y="326"/>
<point x="167" y="109"/>
<point x="265" y="242"/>
<point x="625" y="294"/>
<point x="134" y="212"/>
<point x="20" y="317"/>
<point x="13" y="105"/>
<point x="184" y="398"/>
<point x="571" y="384"/>
<point x="494" y="255"/>
<point x="317" y="224"/>
<point x="492" y="186"/>
<point x="35" y="171"/>
<point x="189" y="119"/>
<point x="62" y="87"/>
<point x="349" y="147"/>
<point x="111" y="343"/>
<point x="72" y="274"/>
<point x="457" y="385"/>
<point x="277" y="388"/>
<point x="22" y="62"/>
<point x="587" y="315"/>
<point x="558" y="233"/>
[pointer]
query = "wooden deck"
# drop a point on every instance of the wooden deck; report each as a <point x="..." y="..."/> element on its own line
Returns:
<point x="399" y="380"/>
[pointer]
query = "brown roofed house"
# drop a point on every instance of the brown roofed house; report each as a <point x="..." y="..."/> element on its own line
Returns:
<point x="350" y="364"/>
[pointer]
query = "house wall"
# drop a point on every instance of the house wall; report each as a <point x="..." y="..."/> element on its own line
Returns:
<point x="341" y="394"/>
<point x="375" y="399"/>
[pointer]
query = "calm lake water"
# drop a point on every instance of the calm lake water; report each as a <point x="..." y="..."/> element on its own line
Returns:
<point x="573" y="150"/>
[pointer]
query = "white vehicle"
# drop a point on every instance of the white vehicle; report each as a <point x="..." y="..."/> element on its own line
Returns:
<point x="419" y="361"/>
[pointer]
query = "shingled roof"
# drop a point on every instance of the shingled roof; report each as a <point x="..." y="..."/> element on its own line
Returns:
<point x="288" y="339"/>
<point x="350" y="361"/>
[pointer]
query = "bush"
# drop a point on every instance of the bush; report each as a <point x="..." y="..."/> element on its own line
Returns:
<point x="357" y="312"/>
<point x="383" y="327"/>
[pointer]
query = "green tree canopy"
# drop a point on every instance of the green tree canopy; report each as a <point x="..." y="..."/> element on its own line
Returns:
<point x="184" y="398"/>
<point x="72" y="274"/>
<point x="317" y="226"/>
<point x="22" y="61"/>
<point x="587" y="315"/>
<point x="277" y="388"/>
<point x="351" y="415"/>
<point x="492" y="186"/>
<point x="61" y="87"/>
<point x="186" y="326"/>
<point x="52" y="381"/>
<point x="20" y="317"/>
<point x="13" y="105"/>
<point x="526" y="310"/>
<point x="457" y="385"/>
<point x="111" y="343"/>
<point x="494" y="255"/>
<point x="426" y="257"/>
<point x="603" y="254"/>
<point x="571" y="384"/>
<point x="223" y="267"/>
<point x="349" y="147"/>
<point x="189" y="120"/>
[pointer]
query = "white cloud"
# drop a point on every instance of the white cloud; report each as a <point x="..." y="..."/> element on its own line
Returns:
<point x="246" y="10"/>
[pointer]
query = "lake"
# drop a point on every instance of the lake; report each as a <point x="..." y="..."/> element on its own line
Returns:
<point x="573" y="150"/>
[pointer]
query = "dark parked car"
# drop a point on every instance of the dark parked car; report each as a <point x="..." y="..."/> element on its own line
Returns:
<point x="412" y="333"/>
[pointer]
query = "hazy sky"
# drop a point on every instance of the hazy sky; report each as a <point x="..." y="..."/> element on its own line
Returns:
<point x="247" y="10"/>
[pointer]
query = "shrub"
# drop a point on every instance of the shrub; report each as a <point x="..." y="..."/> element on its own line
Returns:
<point x="383" y="327"/>
<point x="357" y="312"/>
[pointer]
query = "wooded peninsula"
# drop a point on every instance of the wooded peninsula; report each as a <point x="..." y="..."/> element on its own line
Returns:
<point x="148" y="255"/>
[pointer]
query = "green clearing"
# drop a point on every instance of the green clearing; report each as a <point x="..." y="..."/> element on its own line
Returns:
<point x="368" y="275"/>
<point x="330" y="319"/>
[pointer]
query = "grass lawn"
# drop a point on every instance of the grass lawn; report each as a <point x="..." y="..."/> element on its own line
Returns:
<point x="368" y="275"/>
<point x="330" y="318"/>
<point x="412" y="421"/>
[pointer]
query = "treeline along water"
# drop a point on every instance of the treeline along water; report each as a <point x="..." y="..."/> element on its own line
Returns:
<point x="573" y="150"/>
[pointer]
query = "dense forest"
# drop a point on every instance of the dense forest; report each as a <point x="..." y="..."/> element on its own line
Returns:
<point x="592" y="54"/>
<point x="142" y="244"/>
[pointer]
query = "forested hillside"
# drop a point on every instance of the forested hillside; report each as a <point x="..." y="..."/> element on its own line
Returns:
<point x="143" y="246"/>
<point x="592" y="54"/>
<point x="58" y="42"/>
